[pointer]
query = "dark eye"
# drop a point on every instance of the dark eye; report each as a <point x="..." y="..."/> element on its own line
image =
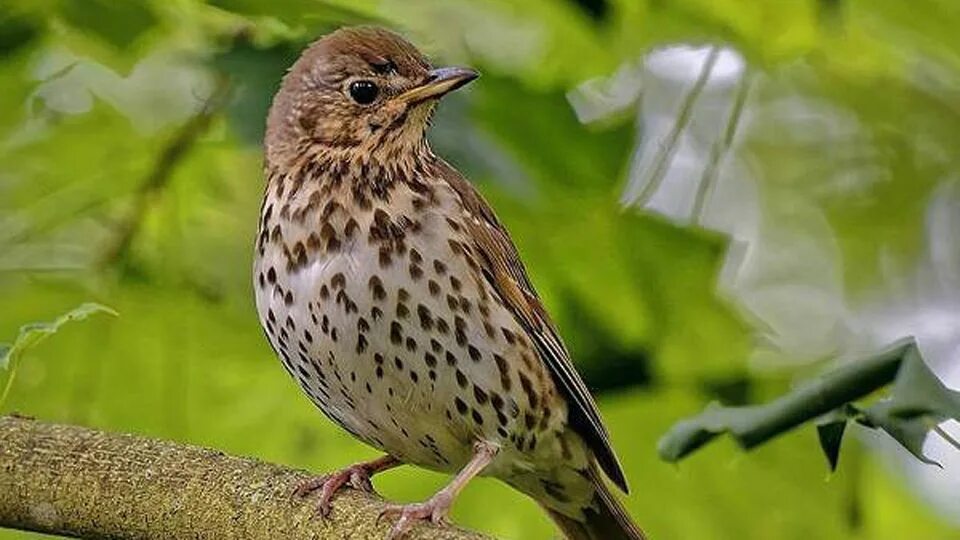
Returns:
<point x="364" y="92"/>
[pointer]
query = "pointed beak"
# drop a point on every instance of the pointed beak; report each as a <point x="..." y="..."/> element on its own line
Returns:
<point x="439" y="82"/>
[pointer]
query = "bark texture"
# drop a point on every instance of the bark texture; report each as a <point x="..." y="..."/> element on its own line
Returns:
<point x="79" y="482"/>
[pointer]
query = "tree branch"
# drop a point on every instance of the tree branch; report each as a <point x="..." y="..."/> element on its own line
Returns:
<point x="79" y="482"/>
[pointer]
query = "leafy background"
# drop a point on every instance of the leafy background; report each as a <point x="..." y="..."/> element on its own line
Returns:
<point x="796" y="203"/>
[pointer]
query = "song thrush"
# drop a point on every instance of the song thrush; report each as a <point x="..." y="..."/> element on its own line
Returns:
<point x="398" y="301"/>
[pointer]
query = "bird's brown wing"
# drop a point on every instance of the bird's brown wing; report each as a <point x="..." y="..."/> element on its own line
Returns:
<point x="504" y="271"/>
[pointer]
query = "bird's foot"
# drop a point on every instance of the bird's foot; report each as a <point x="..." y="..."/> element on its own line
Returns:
<point x="434" y="510"/>
<point x="356" y="476"/>
<point x="329" y="484"/>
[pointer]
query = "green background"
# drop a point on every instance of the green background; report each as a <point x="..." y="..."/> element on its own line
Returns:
<point x="831" y="226"/>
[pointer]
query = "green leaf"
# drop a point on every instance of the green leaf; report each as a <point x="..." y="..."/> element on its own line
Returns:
<point x="754" y="425"/>
<point x="918" y="391"/>
<point x="255" y="73"/>
<point x="689" y="435"/>
<point x="320" y="16"/>
<point x="32" y="334"/>
<point x="910" y="432"/>
<point x="16" y="31"/>
<point x="85" y="310"/>
<point x="830" y="435"/>
<point x="919" y="401"/>
<point x="116" y="23"/>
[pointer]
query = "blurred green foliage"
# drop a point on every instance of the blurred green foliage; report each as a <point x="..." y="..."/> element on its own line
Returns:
<point x="916" y="406"/>
<point x="33" y="334"/>
<point x="128" y="179"/>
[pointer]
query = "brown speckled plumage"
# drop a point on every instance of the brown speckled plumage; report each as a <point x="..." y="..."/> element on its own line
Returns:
<point x="399" y="303"/>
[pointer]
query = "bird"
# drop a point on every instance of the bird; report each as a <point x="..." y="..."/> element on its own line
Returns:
<point x="394" y="296"/>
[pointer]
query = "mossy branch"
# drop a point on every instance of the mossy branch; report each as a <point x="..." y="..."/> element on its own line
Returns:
<point x="83" y="483"/>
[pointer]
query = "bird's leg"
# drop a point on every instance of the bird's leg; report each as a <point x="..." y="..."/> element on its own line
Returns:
<point x="435" y="508"/>
<point x="357" y="475"/>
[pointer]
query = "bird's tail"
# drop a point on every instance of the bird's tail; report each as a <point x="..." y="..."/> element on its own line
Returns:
<point x="606" y="519"/>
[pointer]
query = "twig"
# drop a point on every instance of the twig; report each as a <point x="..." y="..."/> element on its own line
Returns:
<point x="159" y="176"/>
<point x="946" y="436"/>
<point x="669" y="145"/>
<point x="720" y="148"/>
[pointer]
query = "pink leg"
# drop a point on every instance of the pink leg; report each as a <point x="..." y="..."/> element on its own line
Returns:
<point x="435" y="509"/>
<point x="357" y="475"/>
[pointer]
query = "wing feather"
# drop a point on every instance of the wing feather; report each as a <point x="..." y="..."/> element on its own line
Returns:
<point x="504" y="271"/>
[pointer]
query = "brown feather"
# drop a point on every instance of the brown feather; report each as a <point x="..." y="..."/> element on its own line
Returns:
<point x="503" y="269"/>
<point x="605" y="519"/>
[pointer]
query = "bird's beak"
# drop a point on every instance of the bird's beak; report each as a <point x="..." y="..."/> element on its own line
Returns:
<point x="438" y="83"/>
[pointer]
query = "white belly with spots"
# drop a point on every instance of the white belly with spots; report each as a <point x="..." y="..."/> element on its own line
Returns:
<point x="404" y="350"/>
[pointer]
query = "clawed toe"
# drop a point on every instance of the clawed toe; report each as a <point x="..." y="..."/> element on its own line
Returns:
<point x="356" y="476"/>
<point x="434" y="510"/>
<point x="327" y="485"/>
<point x="359" y="480"/>
<point x="308" y="486"/>
<point x="330" y="484"/>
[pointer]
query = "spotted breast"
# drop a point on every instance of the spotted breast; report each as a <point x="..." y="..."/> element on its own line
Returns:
<point x="382" y="315"/>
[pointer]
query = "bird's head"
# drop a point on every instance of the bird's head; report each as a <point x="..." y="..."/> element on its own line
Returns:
<point x="357" y="90"/>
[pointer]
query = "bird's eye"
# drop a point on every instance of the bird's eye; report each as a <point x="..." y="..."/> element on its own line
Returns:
<point x="364" y="92"/>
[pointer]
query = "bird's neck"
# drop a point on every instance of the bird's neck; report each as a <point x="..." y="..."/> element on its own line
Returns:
<point x="301" y="194"/>
<point x="356" y="173"/>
